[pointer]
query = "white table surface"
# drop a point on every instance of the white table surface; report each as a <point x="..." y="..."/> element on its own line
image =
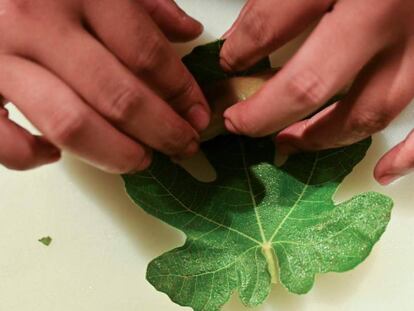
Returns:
<point x="102" y="243"/>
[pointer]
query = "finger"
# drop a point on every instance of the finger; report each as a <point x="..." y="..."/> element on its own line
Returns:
<point x="326" y="63"/>
<point x="66" y="120"/>
<point x="397" y="162"/>
<point x="19" y="150"/>
<point x="239" y="19"/>
<point x="264" y="26"/>
<point x="177" y="25"/>
<point x="381" y="92"/>
<point x="114" y="92"/>
<point x="135" y="39"/>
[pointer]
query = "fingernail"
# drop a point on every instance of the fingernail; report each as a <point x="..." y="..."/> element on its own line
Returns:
<point x="388" y="179"/>
<point x="146" y="161"/>
<point x="228" y="33"/>
<point x="188" y="19"/>
<point x="199" y="117"/>
<point x="51" y="156"/>
<point x="286" y="149"/>
<point x="55" y="154"/>
<point x="230" y="126"/>
<point x="225" y="65"/>
<point x="142" y="167"/>
<point x="200" y="26"/>
<point x="185" y="16"/>
<point x="191" y="150"/>
<point x="50" y="151"/>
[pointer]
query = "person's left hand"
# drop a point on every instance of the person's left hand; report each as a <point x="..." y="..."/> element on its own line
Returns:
<point x="370" y="41"/>
<point x="99" y="79"/>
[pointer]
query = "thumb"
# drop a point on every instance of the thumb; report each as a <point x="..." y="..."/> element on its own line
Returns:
<point x="397" y="162"/>
<point x="177" y="25"/>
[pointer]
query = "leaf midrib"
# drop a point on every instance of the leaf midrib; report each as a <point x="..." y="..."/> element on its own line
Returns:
<point x="298" y="200"/>
<point x="252" y="195"/>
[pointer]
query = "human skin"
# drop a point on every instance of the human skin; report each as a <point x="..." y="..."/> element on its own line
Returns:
<point x="99" y="79"/>
<point x="369" y="42"/>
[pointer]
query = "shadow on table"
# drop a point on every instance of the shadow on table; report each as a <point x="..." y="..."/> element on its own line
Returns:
<point x="151" y="235"/>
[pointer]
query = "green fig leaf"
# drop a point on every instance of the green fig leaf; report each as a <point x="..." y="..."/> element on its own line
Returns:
<point x="257" y="223"/>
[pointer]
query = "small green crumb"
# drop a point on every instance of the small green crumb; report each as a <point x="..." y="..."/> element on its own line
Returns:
<point x="46" y="240"/>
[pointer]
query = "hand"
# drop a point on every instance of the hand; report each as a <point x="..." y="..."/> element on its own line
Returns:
<point x="369" y="41"/>
<point x="99" y="79"/>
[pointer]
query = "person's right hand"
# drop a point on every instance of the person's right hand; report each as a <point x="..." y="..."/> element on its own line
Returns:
<point x="366" y="45"/>
<point x="99" y="79"/>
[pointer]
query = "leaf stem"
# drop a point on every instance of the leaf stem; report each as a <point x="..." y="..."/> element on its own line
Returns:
<point x="271" y="260"/>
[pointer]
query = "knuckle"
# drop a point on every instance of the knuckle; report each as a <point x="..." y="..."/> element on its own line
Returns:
<point x="14" y="17"/>
<point x="150" y="57"/>
<point x="121" y="107"/>
<point x="308" y="89"/>
<point x="65" y="128"/>
<point x="16" y="7"/>
<point x="366" y="124"/>
<point x="184" y="90"/>
<point x="180" y="134"/>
